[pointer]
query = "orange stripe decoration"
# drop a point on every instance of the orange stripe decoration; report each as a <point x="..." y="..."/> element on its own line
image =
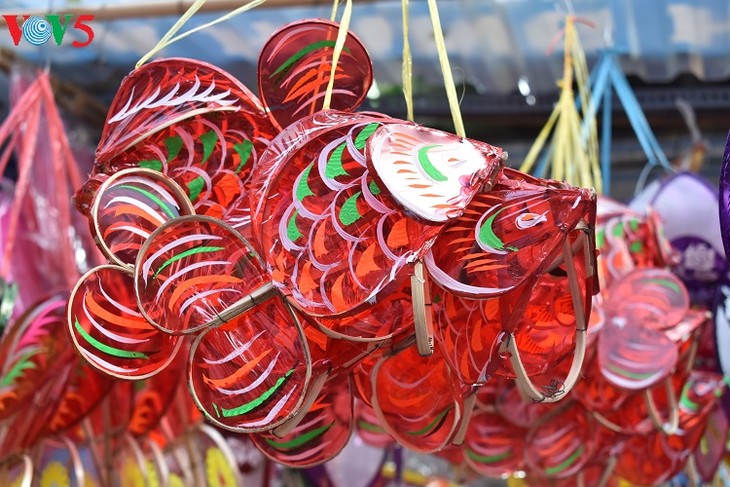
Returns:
<point x="129" y="206"/>
<point x="206" y="139"/>
<point x="153" y="397"/>
<point x="135" y="322"/>
<point x="85" y="388"/>
<point x="512" y="228"/>
<point x="122" y="209"/>
<point x="356" y="233"/>
<point x="376" y="324"/>
<point x="191" y="270"/>
<point x="422" y="422"/>
<point x="561" y="447"/>
<point x="322" y="433"/>
<point x="109" y="331"/>
<point x="307" y="283"/>
<point x="251" y="374"/>
<point x="239" y="374"/>
<point x="366" y="263"/>
<point x="493" y="446"/>
<point x="199" y="282"/>
<point x="295" y="66"/>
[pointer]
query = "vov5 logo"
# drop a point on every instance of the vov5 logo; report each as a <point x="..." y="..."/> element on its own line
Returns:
<point x="38" y="30"/>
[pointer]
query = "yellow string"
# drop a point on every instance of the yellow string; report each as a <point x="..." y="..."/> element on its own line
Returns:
<point x="571" y="158"/>
<point x="446" y="69"/>
<point x="230" y="15"/>
<point x="589" y="115"/>
<point x="168" y="40"/>
<point x="339" y="44"/>
<point x="407" y="71"/>
<point x="540" y="141"/>
<point x="173" y="30"/>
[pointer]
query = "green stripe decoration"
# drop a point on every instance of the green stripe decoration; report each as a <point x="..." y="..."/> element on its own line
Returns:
<point x="565" y="463"/>
<point x="686" y="402"/>
<point x="666" y="283"/>
<point x="302" y="439"/>
<point x="430" y="425"/>
<point x="244" y="150"/>
<point x="102" y="347"/>
<point x="195" y="187"/>
<point x="365" y="134"/>
<point x="209" y="140"/>
<point x="153" y="164"/>
<point x="373" y="428"/>
<point x="489" y="238"/>
<point x="16" y="371"/>
<point x="489" y="458"/>
<point x="292" y="231"/>
<point x="427" y="166"/>
<point x="334" y="163"/>
<point x="374" y="189"/>
<point x="303" y="52"/>
<point x="195" y="250"/>
<point x="250" y="406"/>
<point x="349" y="213"/>
<point x="618" y="231"/>
<point x="626" y="373"/>
<point x="163" y="206"/>
<point x="636" y="247"/>
<point x="303" y="189"/>
<point x="174" y="146"/>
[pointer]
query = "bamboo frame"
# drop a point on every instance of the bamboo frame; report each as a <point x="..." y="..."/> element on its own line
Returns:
<point x="525" y="384"/>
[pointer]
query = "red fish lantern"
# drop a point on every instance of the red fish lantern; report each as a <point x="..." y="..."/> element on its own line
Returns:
<point x="283" y="249"/>
<point x="517" y="263"/>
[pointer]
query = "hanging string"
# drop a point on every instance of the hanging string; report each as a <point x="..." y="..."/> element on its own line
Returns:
<point x="173" y="30"/>
<point x="446" y="69"/>
<point x="322" y="62"/>
<point x="168" y="38"/>
<point x="339" y="45"/>
<point x="592" y="175"/>
<point x="573" y="151"/>
<point x="407" y="69"/>
<point x="223" y="18"/>
<point x="539" y="142"/>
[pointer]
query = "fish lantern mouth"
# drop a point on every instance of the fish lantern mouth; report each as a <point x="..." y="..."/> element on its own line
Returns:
<point x="432" y="174"/>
